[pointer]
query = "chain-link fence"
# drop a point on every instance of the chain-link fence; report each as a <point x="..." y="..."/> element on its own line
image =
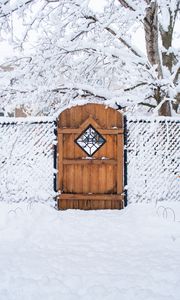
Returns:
<point x="27" y="154"/>
<point x="26" y="159"/>
<point x="153" y="159"/>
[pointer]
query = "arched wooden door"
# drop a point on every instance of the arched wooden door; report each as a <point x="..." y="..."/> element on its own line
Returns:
<point x="90" y="158"/>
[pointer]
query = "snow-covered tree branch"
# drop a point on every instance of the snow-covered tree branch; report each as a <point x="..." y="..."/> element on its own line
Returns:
<point x="80" y="52"/>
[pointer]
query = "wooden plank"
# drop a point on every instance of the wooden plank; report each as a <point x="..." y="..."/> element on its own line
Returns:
<point x="110" y="131"/>
<point x="94" y="182"/>
<point x="78" y="179"/>
<point x="102" y="179"/>
<point x="78" y="151"/>
<point x="110" y="146"/>
<point x="78" y="169"/>
<point x="110" y="169"/>
<point x="89" y="162"/>
<point x="85" y="180"/>
<point x="98" y="112"/>
<point x="62" y="204"/>
<point x="69" y="146"/>
<point x="105" y="176"/>
<point x="110" y="183"/>
<point x="118" y="204"/>
<point x="102" y="131"/>
<point x="111" y="118"/>
<point x="91" y="197"/>
<point x="88" y="121"/>
<point x="102" y="185"/>
<point x="101" y="113"/>
<point x="69" y="150"/>
<point x="60" y="162"/>
<point x="120" y="158"/>
<point x="89" y="204"/>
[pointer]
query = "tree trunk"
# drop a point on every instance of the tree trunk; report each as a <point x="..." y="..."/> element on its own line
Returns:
<point x="151" y="36"/>
<point x="165" y="109"/>
<point x="151" y="28"/>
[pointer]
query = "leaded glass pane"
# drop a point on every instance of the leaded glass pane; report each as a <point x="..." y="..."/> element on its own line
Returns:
<point x="90" y="140"/>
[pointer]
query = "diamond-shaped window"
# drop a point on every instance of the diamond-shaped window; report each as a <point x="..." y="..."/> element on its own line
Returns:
<point x="90" y="140"/>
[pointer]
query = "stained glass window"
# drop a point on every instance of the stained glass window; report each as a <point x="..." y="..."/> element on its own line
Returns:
<point x="90" y="140"/>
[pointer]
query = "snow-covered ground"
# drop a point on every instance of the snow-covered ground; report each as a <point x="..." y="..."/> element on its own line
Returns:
<point x="132" y="254"/>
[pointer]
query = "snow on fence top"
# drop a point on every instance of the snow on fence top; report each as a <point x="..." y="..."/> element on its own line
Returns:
<point x="153" y="157"/>
<point x="11" y="120"/>
<point x="26" y="159"/>
<point x="27" y="156"/>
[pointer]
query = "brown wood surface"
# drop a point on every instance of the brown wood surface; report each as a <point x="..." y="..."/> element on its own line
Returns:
<point x="79" y="130"/>
<point x="89" y="161"/>
<point x="96" y="182"/>
<point x="92" y="196"/>
<point x="60" y="161"/>
<point x="106" y="117"/>
<point x="120" y="148"/>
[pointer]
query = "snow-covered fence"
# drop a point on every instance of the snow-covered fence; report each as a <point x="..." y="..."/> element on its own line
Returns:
<point x="153" y="157"/>
<point x="26" y="159"/>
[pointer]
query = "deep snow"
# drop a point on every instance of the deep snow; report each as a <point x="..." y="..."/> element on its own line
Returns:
<point x="132" y="254"/>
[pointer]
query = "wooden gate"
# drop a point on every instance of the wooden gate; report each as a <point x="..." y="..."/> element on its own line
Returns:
<point x="90" y="158"/>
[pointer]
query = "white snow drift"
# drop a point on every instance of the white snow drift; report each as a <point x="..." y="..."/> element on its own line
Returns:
<point x="132" y="254"/>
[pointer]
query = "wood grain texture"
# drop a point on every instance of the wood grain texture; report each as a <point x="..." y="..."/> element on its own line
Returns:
<point x="120" y="163"/>
<point x="79" y="130"/>
<point x="60" y="162"/>
<point x="91" y="196"/>
<point x="106" y="117"/>
<point x="89" y="162"/>
<point x="90" y="183"/>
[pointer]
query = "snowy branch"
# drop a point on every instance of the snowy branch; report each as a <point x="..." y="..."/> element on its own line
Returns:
<point x="82" y="53"/>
